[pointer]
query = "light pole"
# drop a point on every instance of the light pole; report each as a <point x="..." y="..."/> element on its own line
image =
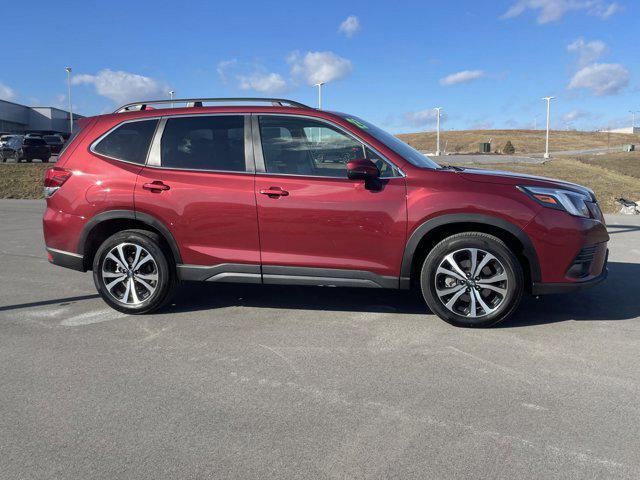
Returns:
<point x="171" y="93"/>
<point x="548" y="99"/>
<point x="319" y="85"/>
<point x="438" y="109"/>
<point x="68" y="70"/>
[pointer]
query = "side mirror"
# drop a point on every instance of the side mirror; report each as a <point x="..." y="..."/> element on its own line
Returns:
<point x="362" y="169"/>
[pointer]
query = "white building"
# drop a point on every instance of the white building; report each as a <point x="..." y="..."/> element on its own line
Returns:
<point x="16" y="118"/>
<point x="624" y="130"/>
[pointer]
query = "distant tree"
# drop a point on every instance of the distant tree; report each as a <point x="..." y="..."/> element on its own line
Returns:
<point x="509" y="149"/>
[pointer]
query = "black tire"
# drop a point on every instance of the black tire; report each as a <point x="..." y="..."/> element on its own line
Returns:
<point x="164" y="270"/>
<point x="504" y="262"/>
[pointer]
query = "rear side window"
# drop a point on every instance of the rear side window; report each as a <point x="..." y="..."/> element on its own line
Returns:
<point x="214" y="142"/>
<point x="129" y="142"/>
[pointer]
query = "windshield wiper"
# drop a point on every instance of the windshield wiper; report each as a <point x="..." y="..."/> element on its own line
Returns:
<point x="452" y="167"/>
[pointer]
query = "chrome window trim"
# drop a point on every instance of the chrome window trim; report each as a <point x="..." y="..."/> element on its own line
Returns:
<point x="157" y="144"/>
<point x="153" y="158"/>
<point x="115" y="127"/>
<point x="257" y="146"/>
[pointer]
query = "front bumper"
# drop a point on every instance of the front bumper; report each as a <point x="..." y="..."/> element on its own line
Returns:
<point x="541" y="288"/>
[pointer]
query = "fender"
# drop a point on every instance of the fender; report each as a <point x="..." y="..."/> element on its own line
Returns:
<point x="419" y="233"/>
<point x="129" y="215"/>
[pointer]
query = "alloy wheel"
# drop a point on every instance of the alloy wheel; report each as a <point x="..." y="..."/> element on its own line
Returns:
<point x="471" y="282"/>
<point x="130" y="274"/>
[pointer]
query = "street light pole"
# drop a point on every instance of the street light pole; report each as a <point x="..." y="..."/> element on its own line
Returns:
<point x="437" y="109"/>
<point x="548" y="99"/>
<point x="68" y="70"/>
<point x="171" y="93"/>
<point x="319" y="85"/>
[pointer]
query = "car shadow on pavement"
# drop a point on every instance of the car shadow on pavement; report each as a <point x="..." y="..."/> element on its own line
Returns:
<point x="615" y="299"/>
<point x="203" y="296"/>
<point x="44" y="303"/>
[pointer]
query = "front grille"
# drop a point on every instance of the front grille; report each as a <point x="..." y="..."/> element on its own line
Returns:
<point x="581" y="265"/>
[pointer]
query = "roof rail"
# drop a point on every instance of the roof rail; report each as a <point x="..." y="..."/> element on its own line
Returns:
<point x="197" y="102"/>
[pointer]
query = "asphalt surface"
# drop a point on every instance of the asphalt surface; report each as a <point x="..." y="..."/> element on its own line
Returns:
<point x="282" y="382"/>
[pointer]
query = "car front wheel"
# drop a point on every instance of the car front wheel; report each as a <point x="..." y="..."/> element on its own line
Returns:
<point x="472" y="279"/>
<point x="132" y="272"/>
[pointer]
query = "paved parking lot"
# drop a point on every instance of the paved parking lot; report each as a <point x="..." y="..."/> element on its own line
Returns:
<point x="291" y="382"/>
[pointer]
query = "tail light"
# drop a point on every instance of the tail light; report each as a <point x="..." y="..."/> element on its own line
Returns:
<point x="54" y="179"/>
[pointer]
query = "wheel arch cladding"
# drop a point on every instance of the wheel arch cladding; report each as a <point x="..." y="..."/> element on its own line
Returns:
<point x="429" y="233"/>
<point x="105" y="224"/>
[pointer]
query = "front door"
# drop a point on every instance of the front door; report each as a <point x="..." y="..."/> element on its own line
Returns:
<point x="199" y="183"/>
<point x="316" y="226"/>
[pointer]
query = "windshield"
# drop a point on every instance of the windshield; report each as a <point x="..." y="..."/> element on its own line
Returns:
<point x="407" y="152"/>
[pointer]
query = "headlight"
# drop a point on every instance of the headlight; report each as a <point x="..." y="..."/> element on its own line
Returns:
<point x="571" y="202"/>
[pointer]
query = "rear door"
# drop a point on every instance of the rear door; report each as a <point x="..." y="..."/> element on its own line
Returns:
<point x="317" y="226"/>
<point x="199" y="183"/>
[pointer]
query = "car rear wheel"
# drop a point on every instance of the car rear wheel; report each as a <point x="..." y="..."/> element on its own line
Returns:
<point x="472" y="280"/>
<point x="132" y="272"/>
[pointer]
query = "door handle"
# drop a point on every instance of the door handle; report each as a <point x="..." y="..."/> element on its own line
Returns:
<point x="156" y="186"/>
<point x="274" y="192"/>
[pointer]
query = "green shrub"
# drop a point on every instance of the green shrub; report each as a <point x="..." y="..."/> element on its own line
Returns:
<point x="509" y="149"/>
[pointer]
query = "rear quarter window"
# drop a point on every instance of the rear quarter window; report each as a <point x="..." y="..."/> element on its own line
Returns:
<point x="128" y="142"/>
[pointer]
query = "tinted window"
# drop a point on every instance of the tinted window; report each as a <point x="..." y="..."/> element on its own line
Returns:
<point x="34" y="142"/>
<point x="129" y="142"/>
<point x="204" y="143"/>
<point x="51" y="139"/>
<point x="302" y="146"/>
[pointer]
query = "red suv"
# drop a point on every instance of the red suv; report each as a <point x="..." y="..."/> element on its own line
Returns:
<point x="287" y="194"/>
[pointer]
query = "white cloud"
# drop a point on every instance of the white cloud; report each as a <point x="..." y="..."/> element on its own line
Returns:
<point x="601" y="78"/>
<point x="6" y="92"/>
<point x="263" y="82"/>
<point x="574" y="115"/>
<point x="223" y="66"/>
<point x="421" y="118"/>
<point x="123" y="87"/>
<point x="554" y="10"/>
<point x="350" y="26"/>
<point x="588" y="52"/>
<point x="316" y="67"/>
<point x="465" y="76"/>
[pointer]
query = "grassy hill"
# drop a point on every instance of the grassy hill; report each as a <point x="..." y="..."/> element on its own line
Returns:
<point x="524" y="141"/>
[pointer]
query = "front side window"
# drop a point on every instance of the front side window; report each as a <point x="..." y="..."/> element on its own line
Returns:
<point x="129" y="142"/>
<point x="303" y="146"/>
<point x="214" y="142"/>
<point x="392" y="142"/>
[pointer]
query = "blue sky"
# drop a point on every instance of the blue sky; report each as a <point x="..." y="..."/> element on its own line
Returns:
<point x="487" y="63"/>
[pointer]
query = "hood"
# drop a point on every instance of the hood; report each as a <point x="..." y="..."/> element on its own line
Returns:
<point x="514" y="178"/>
